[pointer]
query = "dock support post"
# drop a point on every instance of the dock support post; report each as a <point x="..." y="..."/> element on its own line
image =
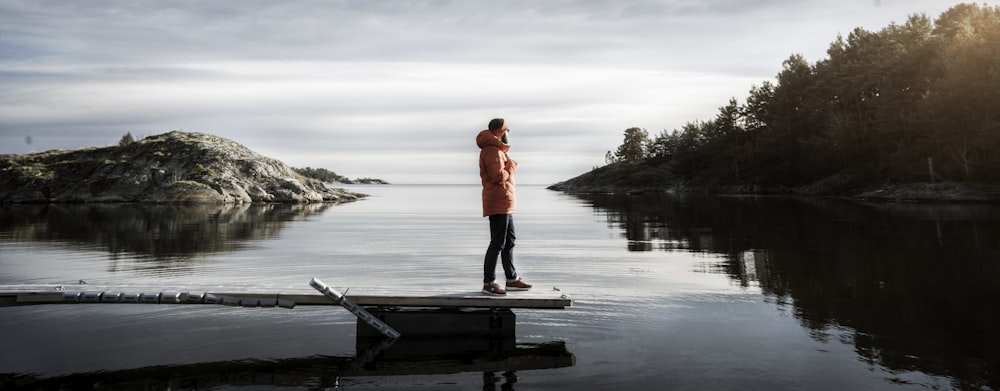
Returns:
<point x="444" y="322"/>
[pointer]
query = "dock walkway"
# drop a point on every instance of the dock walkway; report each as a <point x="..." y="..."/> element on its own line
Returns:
<point x="244" y="296"/>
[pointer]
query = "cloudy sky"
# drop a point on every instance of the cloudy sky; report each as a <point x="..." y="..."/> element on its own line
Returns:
<point x="398" y="89"/>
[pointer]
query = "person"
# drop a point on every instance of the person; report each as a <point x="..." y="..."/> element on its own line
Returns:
<point x="496" y="170"/>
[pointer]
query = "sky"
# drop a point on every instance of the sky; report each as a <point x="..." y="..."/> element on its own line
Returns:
<point x="398" y="90"/>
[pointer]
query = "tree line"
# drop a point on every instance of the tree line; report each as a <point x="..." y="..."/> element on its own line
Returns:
<point x="914" y="102"/>
<point x="321" y="174"/>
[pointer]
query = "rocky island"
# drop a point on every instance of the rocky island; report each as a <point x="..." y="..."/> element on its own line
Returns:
<point x="178" y="166"/>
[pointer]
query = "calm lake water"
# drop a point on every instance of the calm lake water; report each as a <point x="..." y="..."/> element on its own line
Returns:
<point x="672" y="292"/>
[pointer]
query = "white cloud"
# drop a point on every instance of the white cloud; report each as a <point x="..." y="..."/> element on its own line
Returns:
<point x="398" y="89"/>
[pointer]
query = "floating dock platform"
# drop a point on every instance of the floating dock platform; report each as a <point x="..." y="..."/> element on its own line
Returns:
<point x="12" y="295"/>
<point x="429" y="313"/>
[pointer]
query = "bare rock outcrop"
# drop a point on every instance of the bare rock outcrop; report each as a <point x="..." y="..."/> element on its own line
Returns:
<point x="171" y="167"/>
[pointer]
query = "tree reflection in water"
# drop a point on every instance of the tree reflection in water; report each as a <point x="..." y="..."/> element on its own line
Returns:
<point x="911" y="286"/>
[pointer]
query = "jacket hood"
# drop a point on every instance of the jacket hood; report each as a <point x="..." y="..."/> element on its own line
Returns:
<point x="486" y="138"/>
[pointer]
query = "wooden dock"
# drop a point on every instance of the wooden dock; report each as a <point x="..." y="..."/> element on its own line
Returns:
<point x="15" y="295"/>
<point x="430" y="332"/>
<point x="380" y="313"/>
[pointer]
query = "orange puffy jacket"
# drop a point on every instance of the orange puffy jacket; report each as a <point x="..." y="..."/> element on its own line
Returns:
<point x="496" y="170"/>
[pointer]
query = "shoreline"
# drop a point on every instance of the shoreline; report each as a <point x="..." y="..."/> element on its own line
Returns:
<point x="936" y="192"/>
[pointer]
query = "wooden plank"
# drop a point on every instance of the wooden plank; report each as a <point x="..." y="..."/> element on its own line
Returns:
<point x="39" y="297"/>
<point x="54" y="294"/>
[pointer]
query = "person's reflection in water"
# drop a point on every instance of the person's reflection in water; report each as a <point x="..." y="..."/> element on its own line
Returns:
<point x="490" y="380"/>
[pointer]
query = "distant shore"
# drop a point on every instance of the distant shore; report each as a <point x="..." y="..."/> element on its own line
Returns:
<point x="937" y="192"/>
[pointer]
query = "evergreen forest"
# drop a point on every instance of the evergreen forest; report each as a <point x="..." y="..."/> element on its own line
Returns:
<point x="912" y="102"/>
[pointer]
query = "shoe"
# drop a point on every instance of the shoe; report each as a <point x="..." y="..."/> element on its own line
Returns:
<point x="518" y="285"/>
<point x="494" y="289"/>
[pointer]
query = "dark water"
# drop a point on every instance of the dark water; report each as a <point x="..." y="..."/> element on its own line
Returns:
<point x="671" y="291"/>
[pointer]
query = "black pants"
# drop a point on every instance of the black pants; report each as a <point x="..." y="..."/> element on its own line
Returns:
<point x="501" y="244"/>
